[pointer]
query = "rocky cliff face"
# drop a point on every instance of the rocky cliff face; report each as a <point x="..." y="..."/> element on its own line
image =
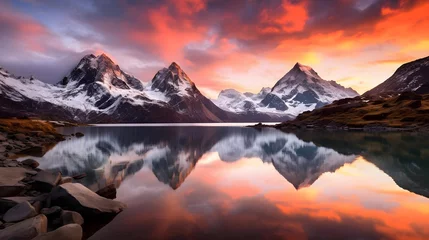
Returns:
<point x="410" y="77"/>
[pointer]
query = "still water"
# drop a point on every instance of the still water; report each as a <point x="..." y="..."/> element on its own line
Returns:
<point x="218" y="182"/>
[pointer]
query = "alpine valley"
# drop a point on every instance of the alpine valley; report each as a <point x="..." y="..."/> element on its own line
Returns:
<point x="98" y="91"/>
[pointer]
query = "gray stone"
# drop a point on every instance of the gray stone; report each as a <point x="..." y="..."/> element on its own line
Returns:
<point x="69" y="217"/>
<point x="44" y="181"/>
<point x="20" y="212"/>
<point x="52" y="211"/>
<point x="10" y="180"/>
<point x="67" y="232"/>
<point x="2" y="149"/>
<point x="84" y="201"/>
<point x="26" y="230"/>
<point x="31" y="163"/>
<point x="66" y="180"/>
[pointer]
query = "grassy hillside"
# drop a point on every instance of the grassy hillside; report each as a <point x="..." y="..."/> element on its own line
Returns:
<point x="407" y="110"/>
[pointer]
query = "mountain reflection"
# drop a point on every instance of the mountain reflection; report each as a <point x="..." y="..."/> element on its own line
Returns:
<point x="111" y="154"/>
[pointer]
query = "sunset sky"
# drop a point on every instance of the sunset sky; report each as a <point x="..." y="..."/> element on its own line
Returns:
<point x="244" y="45"/>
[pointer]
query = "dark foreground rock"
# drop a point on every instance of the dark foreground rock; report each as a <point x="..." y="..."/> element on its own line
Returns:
<point x="67" y="232"/>
<point x="108" y="191"/>
<point x="27" y="192"/>
<point x="76" y="197"/>
<point x="11" y="180"/>
<point x="20" y="212"/>
<point x="26" y="230"/>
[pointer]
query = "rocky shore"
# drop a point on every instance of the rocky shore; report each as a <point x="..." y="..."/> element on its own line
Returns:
<point x="38" y="204"/>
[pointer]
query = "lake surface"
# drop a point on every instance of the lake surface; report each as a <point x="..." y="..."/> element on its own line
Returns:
<point x="231" y="182"/>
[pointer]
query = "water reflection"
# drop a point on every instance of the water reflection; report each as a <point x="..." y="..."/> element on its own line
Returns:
<point x="230" y="182"/>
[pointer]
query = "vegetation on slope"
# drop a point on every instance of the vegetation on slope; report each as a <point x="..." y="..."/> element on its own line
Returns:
<point x="407" y="110"/>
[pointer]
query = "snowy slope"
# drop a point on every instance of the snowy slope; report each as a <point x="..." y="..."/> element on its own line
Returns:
<point x="97" y="90"/>
<point x="412" y="76"/>
<point x="301" y="89"/>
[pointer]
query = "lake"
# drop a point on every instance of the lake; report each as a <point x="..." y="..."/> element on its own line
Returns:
<point x="232" y="182"/>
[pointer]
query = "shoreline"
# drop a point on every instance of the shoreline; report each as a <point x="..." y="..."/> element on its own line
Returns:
<point x="36" y="203"/>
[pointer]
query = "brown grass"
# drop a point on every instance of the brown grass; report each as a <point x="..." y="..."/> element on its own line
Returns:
<point x="26" y="125"/>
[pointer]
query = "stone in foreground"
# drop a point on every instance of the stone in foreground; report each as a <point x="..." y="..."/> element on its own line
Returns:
<point x="45" y="181"/>
<point x="69" y="217"/>
<point x="31" y="163"/>
<point x="10" y="178"/>
<point x="67" y="232"/>
<point x="76" y="197"/>
<point x="20" y="212"/>
<point x="27" y="229"/>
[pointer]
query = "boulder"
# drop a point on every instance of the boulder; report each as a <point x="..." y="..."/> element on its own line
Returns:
<point x="69" y="217"/>
<point x="66" y="180"/>
<point x="10" y="202"/>
<point x="10" y="180"/>
<point x="20" y="212"/>
<point x="27" y="229"/>
<point x="54" y="211"/>
<point x="30" y="163"/>
<point x="76" y="197"/>
<point x="44" y="181"/>
<point x="67" y="232"/>
<point x="35" y="151"/>
<point x="108" y="191"/>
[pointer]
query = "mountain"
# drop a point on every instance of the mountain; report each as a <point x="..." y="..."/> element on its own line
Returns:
<point x="99" y="91"/>
<point x="300" y="90"/>
<point x="412" y="76"/>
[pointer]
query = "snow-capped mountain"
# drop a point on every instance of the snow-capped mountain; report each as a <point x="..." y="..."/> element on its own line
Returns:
<point x="97" y="90"/>
<point x="301" y="89"/>
<point x="412" y="76"/>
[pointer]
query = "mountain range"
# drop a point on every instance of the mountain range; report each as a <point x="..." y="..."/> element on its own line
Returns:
<point x="97" y="90"/>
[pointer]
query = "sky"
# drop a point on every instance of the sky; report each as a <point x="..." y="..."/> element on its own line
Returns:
<point x="245" y="45"/>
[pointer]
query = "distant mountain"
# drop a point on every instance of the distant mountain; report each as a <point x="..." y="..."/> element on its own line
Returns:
<point x="98" y="91"/>
<point x="412" y="76"/>
<point x="301" y="89"/>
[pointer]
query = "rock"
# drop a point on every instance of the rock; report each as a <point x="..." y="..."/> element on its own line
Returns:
<point x="9" y="202"/>
<point x="51" y="137"/>
<point x="27" y="229"/>
<point x="108" y="191"/>
<point x="2" y="149"/>
<point x="67" y="232"/>
<point x="20" y="212"/>
<point x="12" y="163"/>
<point x="76" y="197"/>
<point x="37" y="206"/>
<point x="79" y="176"/>
<point x="44" y="181"/>
<point x="31" y="163"/>
<point x="2" y="138"/>
<point x="66" y="180"/>
<point x="79" y="134"/>
<point x="36" y="151"/>
<point x="20" y="136"/>
<point x="10" y="180"/>
<point x="69" y="217"/>
<point x="54" y="211"/>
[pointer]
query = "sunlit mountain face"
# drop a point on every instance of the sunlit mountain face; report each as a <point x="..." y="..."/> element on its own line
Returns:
<point x="200" y="181"/>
